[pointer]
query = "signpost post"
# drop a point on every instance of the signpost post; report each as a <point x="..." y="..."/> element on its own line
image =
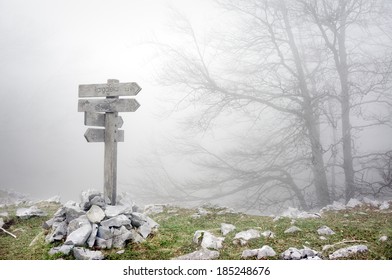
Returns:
<point x="104" y="113"/>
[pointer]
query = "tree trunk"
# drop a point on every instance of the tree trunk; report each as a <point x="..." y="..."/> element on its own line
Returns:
<point x="345" y="107"/>
<point x="318" y="167"/>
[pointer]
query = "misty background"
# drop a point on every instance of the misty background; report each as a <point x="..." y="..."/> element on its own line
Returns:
<point x="227" y="114"/>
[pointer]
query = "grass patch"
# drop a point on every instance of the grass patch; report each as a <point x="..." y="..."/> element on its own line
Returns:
<point x="177" y="227"/>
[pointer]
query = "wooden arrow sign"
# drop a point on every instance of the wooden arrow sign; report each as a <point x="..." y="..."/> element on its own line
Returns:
<point x="108" y="105"/>
<point x="98" y="119"/>
<point x="110" y="89"/>
<point x="98" y="135"/>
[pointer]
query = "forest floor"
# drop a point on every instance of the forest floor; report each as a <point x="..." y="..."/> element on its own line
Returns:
<point x="360" y="225"/>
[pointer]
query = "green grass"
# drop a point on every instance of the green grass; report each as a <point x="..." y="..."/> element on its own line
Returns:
<point x="174" y="237"/>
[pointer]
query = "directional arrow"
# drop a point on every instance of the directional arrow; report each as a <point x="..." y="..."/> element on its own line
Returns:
<point x="98" y="119"/>
<point x="111" y="89"/>
<point x="98" y="135"/>
<point x="108" y="105"/>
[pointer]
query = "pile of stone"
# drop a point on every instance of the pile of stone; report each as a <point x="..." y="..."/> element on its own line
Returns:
<point x="94" y="224"/>
<point x="300" y="254"/>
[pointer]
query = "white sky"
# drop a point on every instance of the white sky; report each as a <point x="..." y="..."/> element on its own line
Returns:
<point x="48" y="48"/>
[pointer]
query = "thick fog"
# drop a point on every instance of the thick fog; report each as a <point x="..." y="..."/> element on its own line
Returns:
<point x="48" y="48"/>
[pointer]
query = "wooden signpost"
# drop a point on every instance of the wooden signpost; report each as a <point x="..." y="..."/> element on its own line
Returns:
<point x="104" y="113"/>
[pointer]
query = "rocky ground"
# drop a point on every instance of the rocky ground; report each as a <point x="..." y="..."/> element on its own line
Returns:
<point x="90" y="229"/>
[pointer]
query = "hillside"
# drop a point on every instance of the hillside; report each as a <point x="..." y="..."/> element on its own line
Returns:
<point x="361" y="225"/>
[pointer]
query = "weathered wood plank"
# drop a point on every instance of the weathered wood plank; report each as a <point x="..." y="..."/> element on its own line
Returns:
<point x="98" y="119"/>
<point x="110" y="159"/>
<point x="95" y="135"/>
<point x="110" y="89"/>
<point x="108" y="105"/>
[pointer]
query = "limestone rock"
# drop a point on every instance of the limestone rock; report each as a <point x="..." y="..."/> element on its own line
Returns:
<point x="294" y="213"/>
<point x="72" y="211"/>
<point x="147" y="228"/>
<point x="104" y="232"/>
<point x="203" y="254"/>
<point x="117" y="221"/>
<point x="58" y="232"/>
<point x="211" y="242"/>
<point x="64" y="249"/>
<point x="116" y="210"/>
<point x="93" y="235"/>
<point x="227" y="228"/>
<point x="136" y="237"/>
<point x="335" y="206"/>
<point x="154" y="209"/>
<point x="243" y="237"/>
<point x="292" y="229"/>
<point x="292" y="254"/>
<point x="300" y="254"/>
<point x="54" y="199"/>
<point x="268" y="234"/>
<point x="120" y="236"/>
<point x="77" y="223"/>
<point x="33" y="211"/>
<point x="353" y="203"/>
<point x="383" y="238"/>
<point x="95" y="214"/>
<point x="265" y="252"/>
<point x="371" y="202"/>
<point x="384" y="205"/>
<point x="250" y="253"/>
<point x="324" y="230"/>
<point x="86" y="254"/>
<point x="88" y="196"/>
<point x="79" y="236"/>
<point x="346" y="252"/>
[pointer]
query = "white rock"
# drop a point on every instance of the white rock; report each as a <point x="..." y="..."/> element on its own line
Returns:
<point x="54" y="199"/>
<point x="383" y="238"/>
<point x="115" y="210"/>
<point x="86" y="254"/>
<point x="154" y="209"/>
<point x="117" y="221"/>
<point x="346" y="252"/>
<point x="335" y="206"/>
<point x="1" y="222"/>
<point x="322" y="238"/>
<point x="324" y="230"/>
<point x="248" y="235"/>
<point x="371" y="202"/>
<point x="384" y="205"/>
<point x="268" y="234"/>
<point x="26" y="213"/>
<point x="79" y="237"/>
<point x="93" y="235"/>
<point x="212" y="242"/>
<point x="277" y="218"/>
<point x="249" y="253"/>
<point x="294" y="213"/>
<point x="291" y="254"/>
<point x="207" y="240"/>
<point x="202" y="211"/>
<point x="203" y="254"/>
<point x="227" y="228"/>
<point x="353" y="202"/>
<point x="265" y="251"/>
<point x="292" y="229"/>
<point x="95" y="214"/>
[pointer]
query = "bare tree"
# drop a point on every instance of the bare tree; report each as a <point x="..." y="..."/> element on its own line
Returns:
<point x="359" y="73"/>
<point x="281" y="59"/>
